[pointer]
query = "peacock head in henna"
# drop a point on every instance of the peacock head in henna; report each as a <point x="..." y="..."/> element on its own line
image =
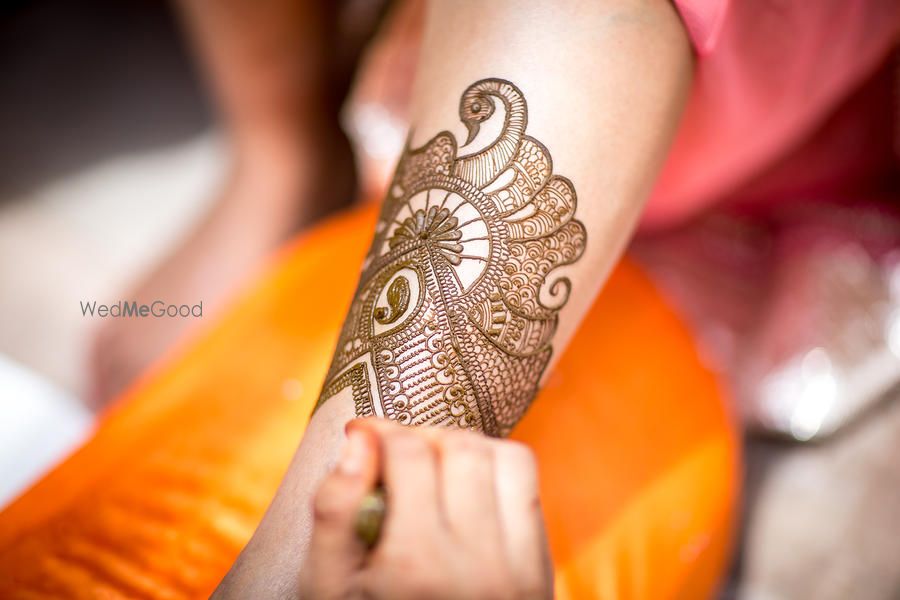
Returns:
<point x="476" y="107"/>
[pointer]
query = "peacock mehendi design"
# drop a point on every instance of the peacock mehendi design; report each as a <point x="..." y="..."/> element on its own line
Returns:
<point x="458" y="300"/>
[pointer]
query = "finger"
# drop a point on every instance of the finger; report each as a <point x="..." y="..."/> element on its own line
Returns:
<point x="409" y="473"/>
<point x="467" y="488"/>
<point x="375" y="425"/>
<point x="524" y="538"/>
<point x="335" y="550"/>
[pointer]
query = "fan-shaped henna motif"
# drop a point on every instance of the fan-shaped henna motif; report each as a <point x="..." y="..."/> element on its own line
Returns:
<point x="458" y="300"/>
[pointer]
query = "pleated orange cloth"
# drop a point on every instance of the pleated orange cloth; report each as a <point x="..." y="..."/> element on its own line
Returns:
<point x="637" y="454"/>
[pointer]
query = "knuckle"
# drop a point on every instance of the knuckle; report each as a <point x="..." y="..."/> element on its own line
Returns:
<point x="466" y="443"/>
<point x="407" y="445"/>
<point x="516" y="462"/>
<point x="517" y="457"/>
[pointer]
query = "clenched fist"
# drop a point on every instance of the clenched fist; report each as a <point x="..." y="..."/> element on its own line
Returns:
<point x="463" y="519"/>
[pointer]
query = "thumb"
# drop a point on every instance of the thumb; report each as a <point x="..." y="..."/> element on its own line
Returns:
<point x="335" y="551"/>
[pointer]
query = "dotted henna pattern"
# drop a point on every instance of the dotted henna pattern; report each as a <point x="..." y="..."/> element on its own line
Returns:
<point x="458" y="301"/>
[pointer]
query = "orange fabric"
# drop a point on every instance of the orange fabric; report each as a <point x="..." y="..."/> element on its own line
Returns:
<point x="636" y="453"/>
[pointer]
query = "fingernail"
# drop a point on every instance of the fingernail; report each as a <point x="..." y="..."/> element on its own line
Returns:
<point x="353" y="455"/>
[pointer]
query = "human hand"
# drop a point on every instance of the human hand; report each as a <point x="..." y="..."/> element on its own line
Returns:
<point x="463" y="519"/>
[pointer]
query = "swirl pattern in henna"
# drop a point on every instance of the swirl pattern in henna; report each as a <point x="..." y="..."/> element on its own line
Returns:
<point x="458" y="300"/>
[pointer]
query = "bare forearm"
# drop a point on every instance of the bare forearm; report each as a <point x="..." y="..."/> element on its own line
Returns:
<point x="487" y="254"/>
<point x="481" y="266"/>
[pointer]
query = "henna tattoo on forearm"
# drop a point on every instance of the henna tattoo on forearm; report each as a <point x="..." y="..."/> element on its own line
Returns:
<point x="457" y="303"/>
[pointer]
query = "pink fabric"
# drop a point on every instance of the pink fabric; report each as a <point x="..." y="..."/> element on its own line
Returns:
<point x="769" y="75"/>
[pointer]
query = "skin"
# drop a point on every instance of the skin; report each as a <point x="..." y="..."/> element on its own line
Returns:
<point x="458" y="300"/>
<point x="605" y="102"/>
<point x="478" y="517"/>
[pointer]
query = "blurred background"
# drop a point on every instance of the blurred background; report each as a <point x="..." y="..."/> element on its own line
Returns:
<point x="111" y="156"/>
